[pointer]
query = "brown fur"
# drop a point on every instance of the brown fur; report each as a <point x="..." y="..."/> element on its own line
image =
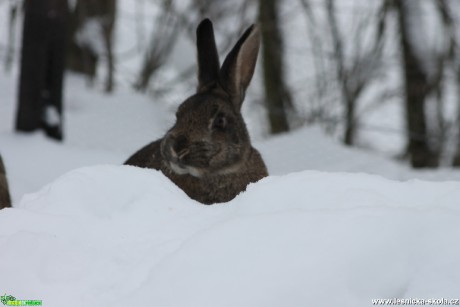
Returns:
<point x="208" y="153"/>
<point x="5" y="200"/>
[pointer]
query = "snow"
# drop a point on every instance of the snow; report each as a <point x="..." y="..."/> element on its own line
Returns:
<point x="91" y="36"/>
<point x="331" y="226"/>
<point x="119" y="235"/>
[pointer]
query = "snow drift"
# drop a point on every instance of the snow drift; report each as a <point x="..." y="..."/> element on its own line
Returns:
<point x="124" y="236"/>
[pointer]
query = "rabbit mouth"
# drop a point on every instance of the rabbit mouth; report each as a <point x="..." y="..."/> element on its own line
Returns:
<point x="184" y="169"/>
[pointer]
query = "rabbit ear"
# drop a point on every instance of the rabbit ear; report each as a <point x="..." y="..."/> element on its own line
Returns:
<point x="238" y="68"/>
<point x="208" y="59"/>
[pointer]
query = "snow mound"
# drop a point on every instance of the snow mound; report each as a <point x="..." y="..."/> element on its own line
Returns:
<point x="125" y="236"/>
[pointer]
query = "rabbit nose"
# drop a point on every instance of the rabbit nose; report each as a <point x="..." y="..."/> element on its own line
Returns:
<point x="179" y="146"/>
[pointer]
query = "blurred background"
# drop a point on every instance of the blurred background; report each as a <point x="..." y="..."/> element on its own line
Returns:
<point x="381" y="77"/>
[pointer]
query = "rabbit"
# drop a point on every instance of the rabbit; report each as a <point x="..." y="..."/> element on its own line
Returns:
<point x="208" y="152"/>
<point x="5" y="200"/>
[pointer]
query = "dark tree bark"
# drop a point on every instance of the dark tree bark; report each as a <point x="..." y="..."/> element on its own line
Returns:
<point x="416" y="90"/>
<point x="277" y="95"/>
<point x="5" y="200"/>
<point x="42" y="67"/>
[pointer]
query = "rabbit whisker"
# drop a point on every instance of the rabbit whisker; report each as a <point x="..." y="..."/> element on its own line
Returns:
<point x="183" y="153"/>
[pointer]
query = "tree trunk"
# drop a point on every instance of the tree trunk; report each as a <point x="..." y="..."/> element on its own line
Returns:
<point x="349" y="100"/>
<point x="5" y="200"/>
<point x="11" y="35"/>
<point x="456" y="160"/>
<point x="107" y="27"/>
<point x="277" y="96"/>
<point x="83" y="56"/>
<point x="42" y="67"/>
<point x="416" y="90"/>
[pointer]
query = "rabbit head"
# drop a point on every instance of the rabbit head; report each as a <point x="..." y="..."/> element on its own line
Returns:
<point x="210" y="136"/>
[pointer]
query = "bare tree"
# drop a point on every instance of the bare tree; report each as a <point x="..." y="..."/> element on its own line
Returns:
<point x="450" y="14"/>
<point x="81" y="58"/>
<point x="108" y="24"/>
<point x="319" y="110"/>
<point x="91" y="31"/>
<point x="357" y="72"/>
<point x="277" y="95"/>
<point x="161" y="43"/>
<point x="417" y="87"/>
<point x="42" y="67"/>
<point x="12" y="17"/>
<point x="174" y="20"/>
<point x="5" y="200"/>
<point x="456" y="158"/>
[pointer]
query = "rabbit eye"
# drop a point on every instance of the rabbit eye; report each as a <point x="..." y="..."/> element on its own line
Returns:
<point x="220" y="122"/>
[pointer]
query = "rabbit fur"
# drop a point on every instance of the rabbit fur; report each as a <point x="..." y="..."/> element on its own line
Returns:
<point x="208" y="152"/>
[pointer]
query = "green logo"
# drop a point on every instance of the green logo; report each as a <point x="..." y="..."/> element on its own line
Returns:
<point x="10" y="300"/>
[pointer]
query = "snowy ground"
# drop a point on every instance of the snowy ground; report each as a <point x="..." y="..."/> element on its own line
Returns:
<point x="117" y="236"/>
